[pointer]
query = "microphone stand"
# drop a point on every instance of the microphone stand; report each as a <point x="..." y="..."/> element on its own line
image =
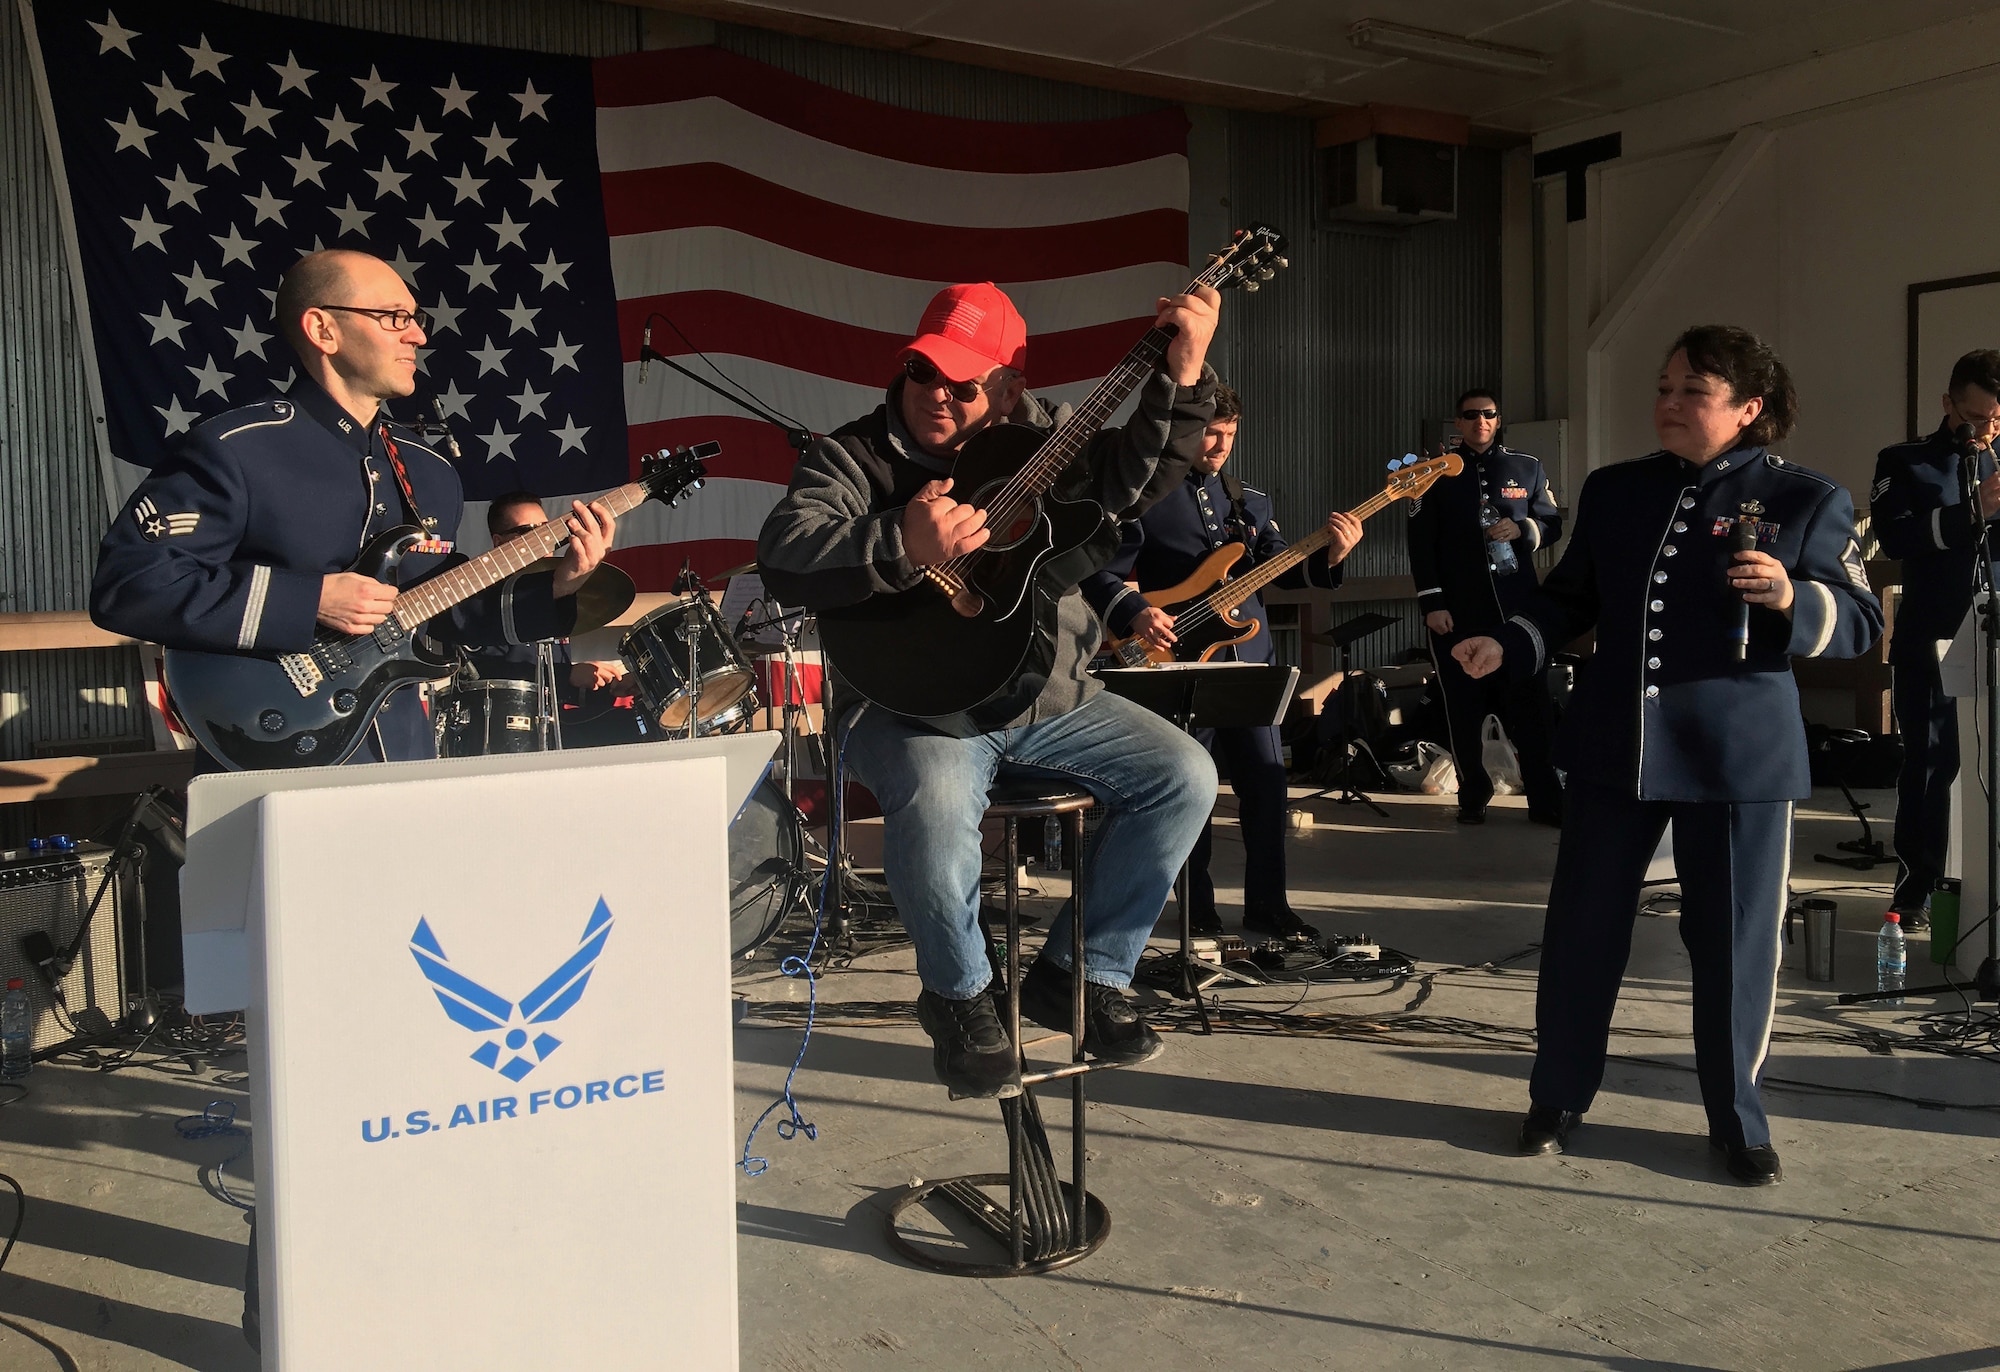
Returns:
<point x="1985" y="981"/>
<point x="800" y="439"/>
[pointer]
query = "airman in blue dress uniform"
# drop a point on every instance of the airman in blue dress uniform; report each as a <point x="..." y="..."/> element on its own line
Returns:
<point x="1162" y="548"/>
<point x="241" y="540"/>
<point x="1918" y="504"/>
<point x="1461" y="595"/>
<point x="1668" y="726"/>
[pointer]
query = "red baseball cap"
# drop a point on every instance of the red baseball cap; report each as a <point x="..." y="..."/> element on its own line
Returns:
<point x="968" y="330"/>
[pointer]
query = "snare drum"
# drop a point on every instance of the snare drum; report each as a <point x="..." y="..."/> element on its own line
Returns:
<point x="657" y="650"/>
<point x="485" y="718"/>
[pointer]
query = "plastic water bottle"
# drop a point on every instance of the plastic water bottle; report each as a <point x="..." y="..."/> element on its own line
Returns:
<point x="1892" y="957"/>
<point x="1499" y="552"/>
<point x="16" y="1032"/>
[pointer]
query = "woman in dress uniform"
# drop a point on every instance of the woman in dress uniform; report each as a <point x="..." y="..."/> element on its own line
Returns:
<point x="1673" y="723"/>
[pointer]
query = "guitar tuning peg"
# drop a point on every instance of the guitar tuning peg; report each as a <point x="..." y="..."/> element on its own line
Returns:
<point x="1266" y="273"/>
<point x="1250" y="288"/>
<point x="1283" y="261"/>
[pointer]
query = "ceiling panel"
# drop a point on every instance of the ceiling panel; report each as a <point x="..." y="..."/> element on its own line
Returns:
<point x="1606" y="55"/>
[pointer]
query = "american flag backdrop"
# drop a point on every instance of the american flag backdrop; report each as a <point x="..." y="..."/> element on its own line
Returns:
<point x="782" y="237"/>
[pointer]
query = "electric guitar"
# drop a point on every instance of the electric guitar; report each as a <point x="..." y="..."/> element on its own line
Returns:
<point x="312" y="708"/>
<point x="1204" y="606"/>
<point x="973" y="644"/>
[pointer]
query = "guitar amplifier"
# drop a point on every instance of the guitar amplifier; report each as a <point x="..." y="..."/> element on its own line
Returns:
<point x="47" y="893"/>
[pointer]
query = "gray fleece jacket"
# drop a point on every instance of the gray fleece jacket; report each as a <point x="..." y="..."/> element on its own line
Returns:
<point x="836" y="537"/>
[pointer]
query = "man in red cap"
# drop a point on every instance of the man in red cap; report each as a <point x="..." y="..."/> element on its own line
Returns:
<point x="872" y="505"/>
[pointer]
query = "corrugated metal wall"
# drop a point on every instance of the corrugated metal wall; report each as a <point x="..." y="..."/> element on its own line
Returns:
<point x="1368" y="333"/>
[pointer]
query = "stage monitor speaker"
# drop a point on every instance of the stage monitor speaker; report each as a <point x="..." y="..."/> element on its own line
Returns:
<point x="47" y="894"/>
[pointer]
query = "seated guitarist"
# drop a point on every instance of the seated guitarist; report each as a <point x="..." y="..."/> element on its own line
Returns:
<point x="240" y="541"/>
<point x="1207" y="511"/>
<point x="869" y="507"/>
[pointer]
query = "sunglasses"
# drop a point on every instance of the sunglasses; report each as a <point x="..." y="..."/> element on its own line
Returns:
<point x="1488" y="413"/>
<point x="920" y="370"/>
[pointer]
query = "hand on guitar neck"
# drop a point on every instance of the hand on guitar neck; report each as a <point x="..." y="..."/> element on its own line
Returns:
<point x="1192" y="317"/>
<point x="591" y="529"/>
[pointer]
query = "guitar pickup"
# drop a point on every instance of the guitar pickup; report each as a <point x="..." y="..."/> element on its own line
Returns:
<point x="303" y="672"/>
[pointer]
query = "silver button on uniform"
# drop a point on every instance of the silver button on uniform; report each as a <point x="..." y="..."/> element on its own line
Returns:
<point x="1653" y="634"/>
<point x="1659" y="577"/>
<point x="1679" y="527"/>
<point x="1687" y="502"/>
<point x="1657" y="606"/>
<point x="1672" y="551"/>
<point x="1652" y="692"/>
<point x="1652" y="664"/>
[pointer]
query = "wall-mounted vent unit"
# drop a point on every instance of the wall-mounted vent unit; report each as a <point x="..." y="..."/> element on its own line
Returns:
<point x="1384" y="164"/>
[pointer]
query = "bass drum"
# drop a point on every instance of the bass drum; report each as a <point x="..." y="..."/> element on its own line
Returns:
<point x="767" y="871"/>
<point x="487" y="718"/>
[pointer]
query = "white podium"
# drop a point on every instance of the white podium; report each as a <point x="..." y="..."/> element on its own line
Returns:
<point x="489" y="1030"/>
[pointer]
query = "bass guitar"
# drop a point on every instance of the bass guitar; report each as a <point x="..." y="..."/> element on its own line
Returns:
<point x="1204" y="606"/>
<point x="985" y="623"/>
<point x="312" y="708"/>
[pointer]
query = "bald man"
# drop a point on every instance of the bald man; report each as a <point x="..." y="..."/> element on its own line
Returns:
<point x="241" y="540"/>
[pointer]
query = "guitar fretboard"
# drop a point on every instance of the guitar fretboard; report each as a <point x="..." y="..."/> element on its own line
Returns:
<point x="1234" y="593"/>
<point x="490" y="568"/>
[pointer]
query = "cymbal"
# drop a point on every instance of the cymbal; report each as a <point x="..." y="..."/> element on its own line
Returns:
<point x="605" y="594"/>
<point x="736" y="571"/>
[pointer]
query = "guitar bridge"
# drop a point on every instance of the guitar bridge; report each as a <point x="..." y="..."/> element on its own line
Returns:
<point x="303" y="672"/>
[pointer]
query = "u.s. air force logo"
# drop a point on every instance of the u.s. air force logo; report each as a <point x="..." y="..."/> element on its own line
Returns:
<point x="512" y="1025"/>
<point x="154" y="526"/>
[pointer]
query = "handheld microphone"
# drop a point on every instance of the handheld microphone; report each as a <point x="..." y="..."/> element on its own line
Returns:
<point x="645" y="350"/>
<point x="1742" y="539"/>
<point x="450" y="442"/>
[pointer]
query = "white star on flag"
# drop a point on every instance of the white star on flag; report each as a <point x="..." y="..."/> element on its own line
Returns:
<point x="405" y="268"/>
<point x="534" y="104"/>
<point x="563" y="355"/>
<point x="444" y="317"/>
<point x="479" y="272"/>
<point x="430" y="228"/>
<point x="306" y="167"/>
<point x="235" y="247"/>
<point x="498" y="443"/>
<point x="292" y="76"/>
<point x="373" y="88"/>
<point x="220" y="153"/>
<point x="180" y="190"/>
<point x="339" y="129"/>
<point x="166" y="328"/>
<point x="507" y="231"/>
<point x="268" y="206"/>
<point x="177" y="418"/>
<point x="389" y="181"/>
<point x="257" y="115"/>
<point x="206" y="59"/>
<point x="131" y="133"/>
<point x="249" y="339"/>
<point x="452" y="401"/>
<point x="540" y="187"/>
<point x="456" y="98"/>
<point x="167" y="96"/>
<point x="353" y="219"/>
<point x="529" y="400"/>
<point x="490" y="357"/>
<point x="114" y="35"/>
<point x="496" y="146"/>
<point x="554" y="273"/>
<point x="210" y="378"/>
<point x="521" y="318"/>
<point x="466" y="185"/>
<point x="198" y="284"/>
<point x="146" y="231"/>
<point x="420" y="140"/>
<point x="570" y="434"/>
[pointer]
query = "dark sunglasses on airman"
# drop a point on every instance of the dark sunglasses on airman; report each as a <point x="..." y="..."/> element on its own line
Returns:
<point x="1488" y="413"/>
<point x="920" y="370"/>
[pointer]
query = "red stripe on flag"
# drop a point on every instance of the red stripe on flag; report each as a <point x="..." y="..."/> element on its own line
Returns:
<point x="751" y="449"/>
<point x="931" y="140"/>
<point x="710" y="195"/>
<point x="724" y="322"/>
<point x="655" y="566"/>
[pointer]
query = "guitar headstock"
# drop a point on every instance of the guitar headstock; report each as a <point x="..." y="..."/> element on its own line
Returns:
<point x="1410" y="476"/>
<point x="670" y="474"/>
<point x="1254" y="256"/>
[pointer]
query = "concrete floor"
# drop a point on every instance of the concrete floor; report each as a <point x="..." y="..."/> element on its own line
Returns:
<point x="1342" y="1201"/>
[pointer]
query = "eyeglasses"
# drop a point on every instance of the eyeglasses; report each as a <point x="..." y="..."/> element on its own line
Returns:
<point x="920" y="370"/>
<point x="1488" y="413"/>
<point x="395" y="321"/>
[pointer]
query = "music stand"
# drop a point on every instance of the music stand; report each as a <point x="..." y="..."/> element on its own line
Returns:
<point x="1343" y="636"/>
<point x="1205" y="695"/>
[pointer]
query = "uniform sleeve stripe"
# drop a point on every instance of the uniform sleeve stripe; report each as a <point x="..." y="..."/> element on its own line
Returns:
<point x="507" y="629"/>
<point x="1534" y="637"/>
<point x="1431" y="590"/>
<point x="253" y="606"/>
<point x="1118" y="600"/>
<point x="1534" y="534"/>
<point x="1937" y="526"/>
<point x="1829" y="617"/>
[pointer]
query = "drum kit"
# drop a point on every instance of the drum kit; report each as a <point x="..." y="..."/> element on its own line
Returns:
<point x="691" y="678"/>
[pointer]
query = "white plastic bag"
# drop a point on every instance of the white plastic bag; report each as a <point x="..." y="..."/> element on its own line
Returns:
<point x="1429" y="772"/>
<point x="1496" y="754"/>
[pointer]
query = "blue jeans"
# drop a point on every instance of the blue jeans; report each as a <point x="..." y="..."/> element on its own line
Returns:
<point x="1154" y="785"/>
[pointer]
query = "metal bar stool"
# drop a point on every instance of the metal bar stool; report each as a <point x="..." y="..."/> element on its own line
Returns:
<point x="1048" y="1223"/>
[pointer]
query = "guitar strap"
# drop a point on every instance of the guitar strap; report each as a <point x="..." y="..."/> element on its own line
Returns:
<point x="1239" y="512"/>
<point x="403" y="480"/>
